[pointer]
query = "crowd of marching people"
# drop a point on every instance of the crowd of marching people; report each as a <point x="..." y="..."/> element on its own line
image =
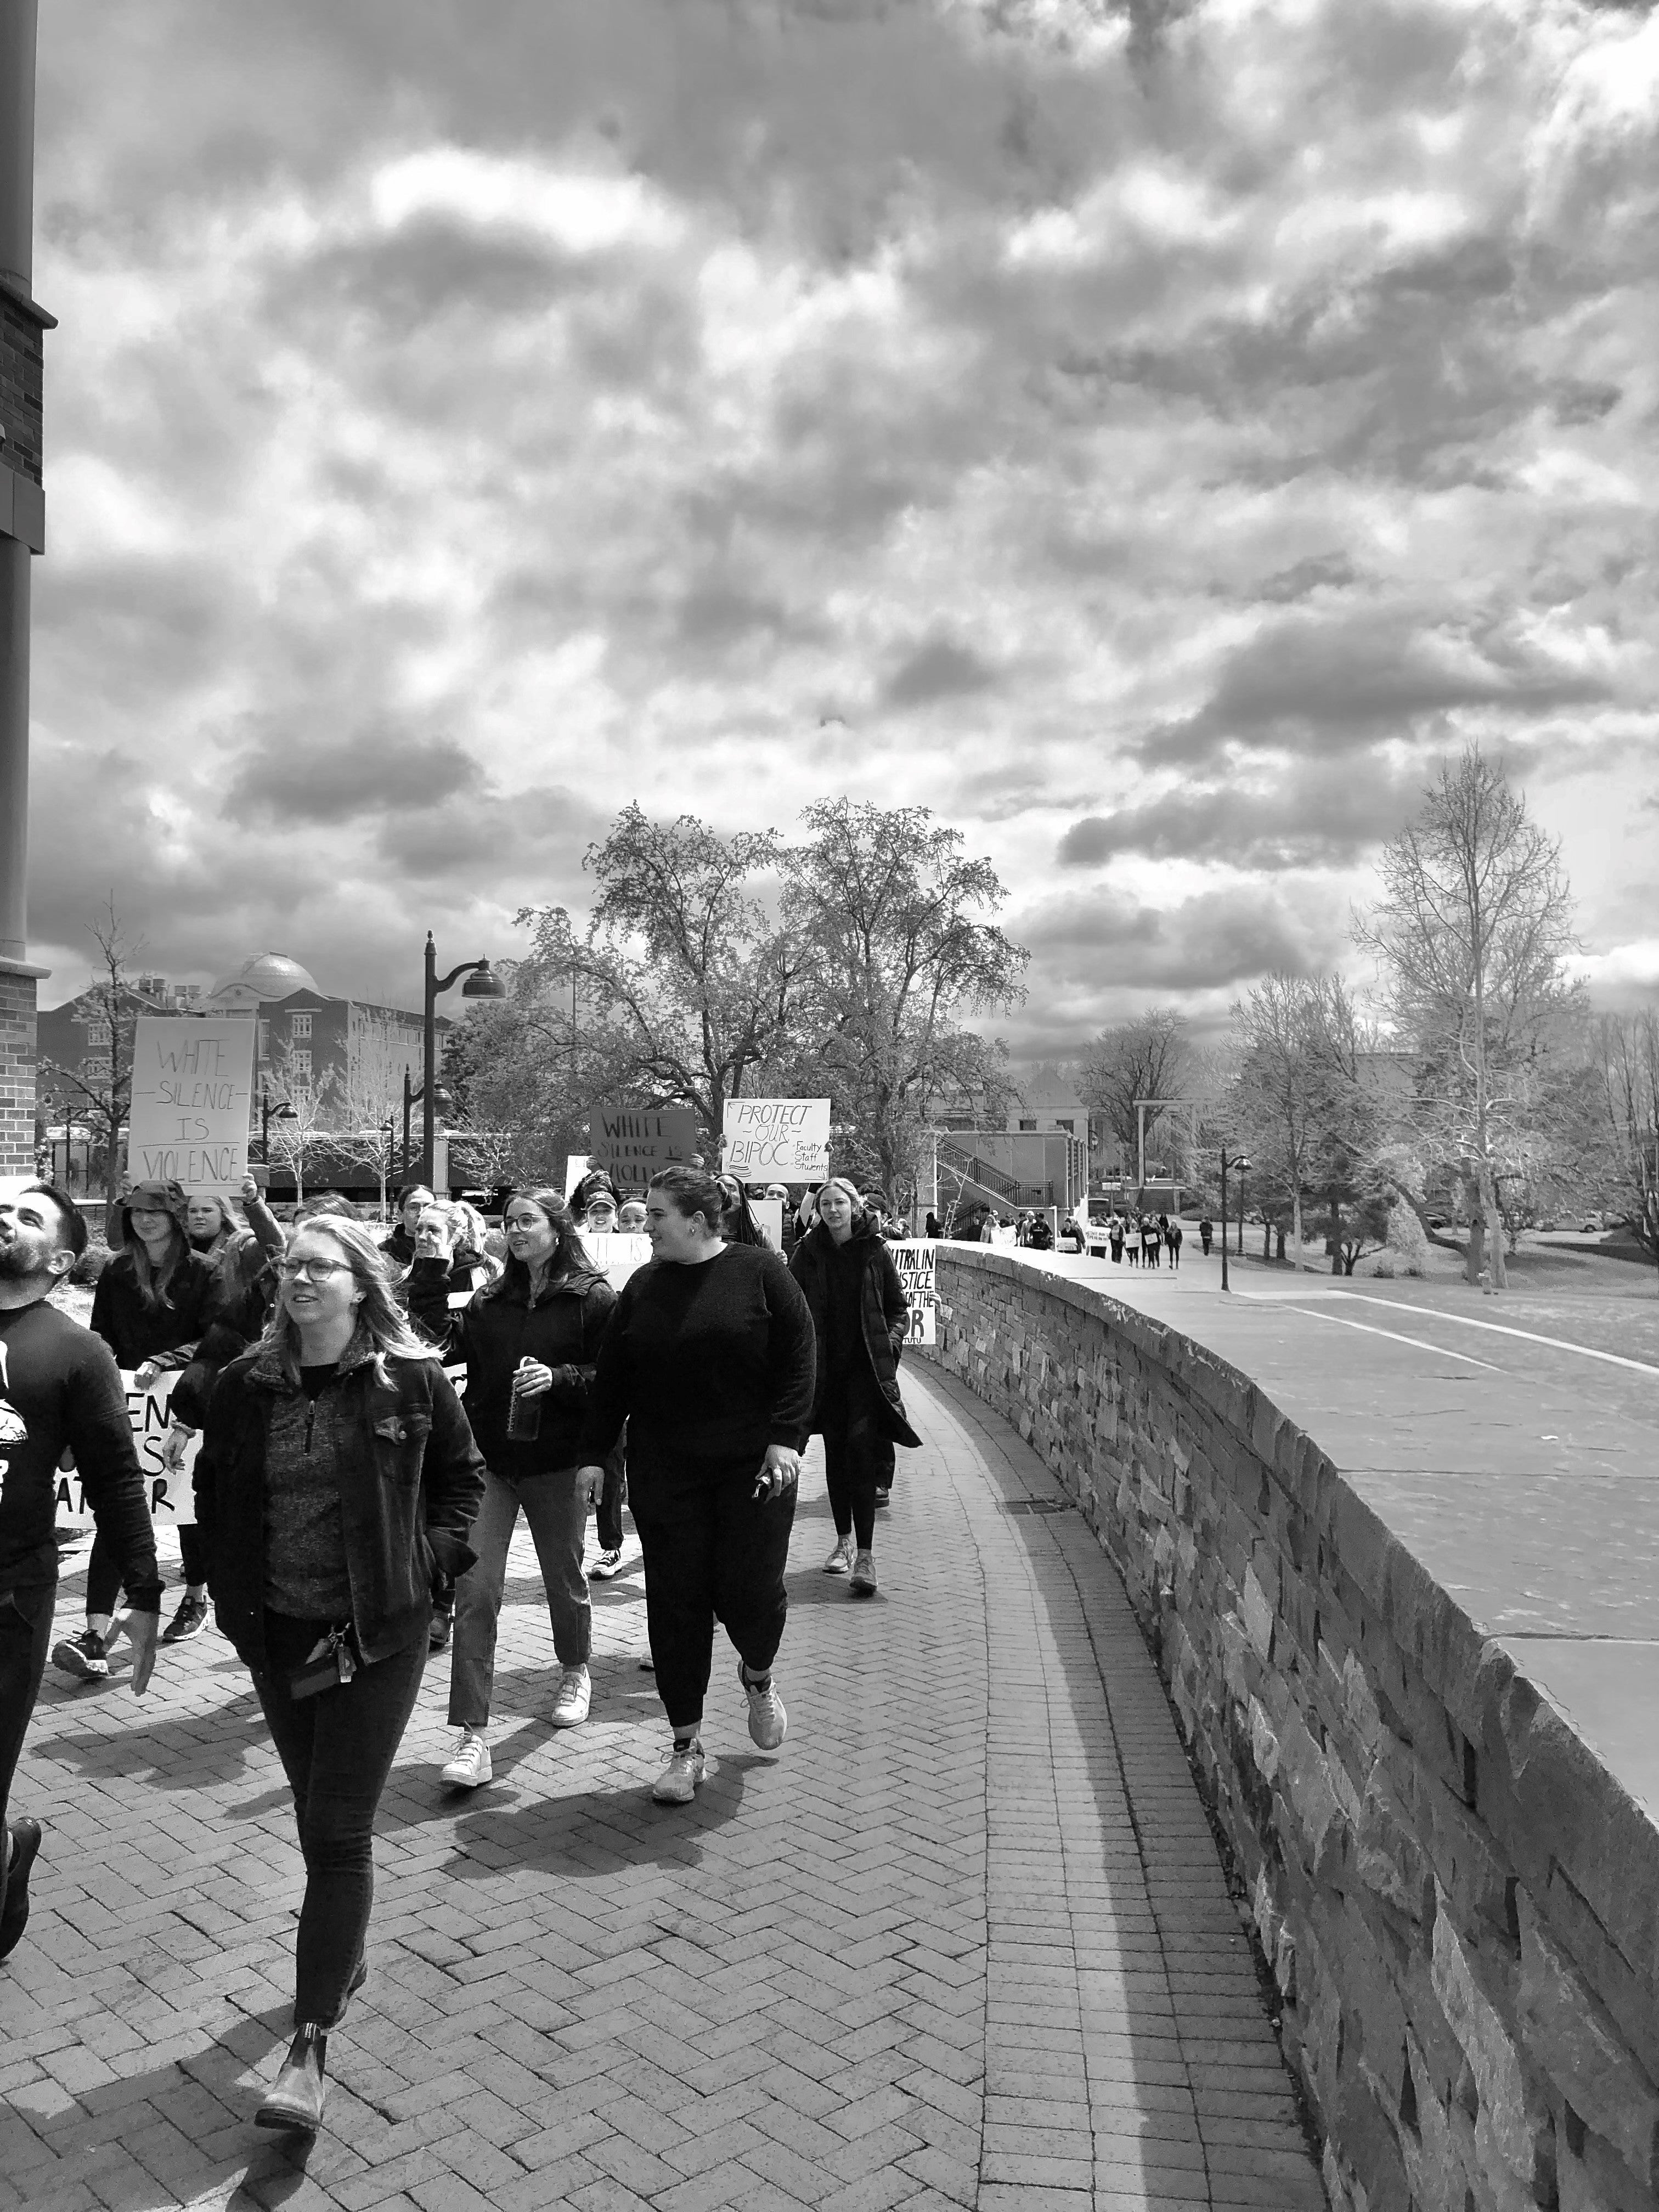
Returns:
<point x="353" y="1513"/>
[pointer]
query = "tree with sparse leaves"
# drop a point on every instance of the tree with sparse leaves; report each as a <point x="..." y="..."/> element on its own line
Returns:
<point x="1471" y="938"/>
<point x="1148" y="1057"/>
<point x="1626" y="1065"/>
<point x="104" y="1101"/>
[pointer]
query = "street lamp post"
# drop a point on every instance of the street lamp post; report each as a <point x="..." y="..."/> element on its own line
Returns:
<point x="1242" y="1164"/>
<point x="267" y="1114"/>
<point x="481" y="983"/>
<point x="413" y="1094"/>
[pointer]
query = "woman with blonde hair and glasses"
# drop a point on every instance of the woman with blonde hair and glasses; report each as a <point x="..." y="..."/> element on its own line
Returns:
<point x="337" y="1478"/>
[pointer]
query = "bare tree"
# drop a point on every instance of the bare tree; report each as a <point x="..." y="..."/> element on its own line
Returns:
<point x="1149" y="1057"/>
<point x="1627" y="1070"/>
<point x="103" y="1101"/>
<point x="1470" y="938"/>
<point x="366" y="1109"/>
<point x="308" y="1118"/>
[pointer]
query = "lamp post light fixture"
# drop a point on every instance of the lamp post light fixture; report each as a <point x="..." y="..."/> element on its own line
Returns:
<point x="1242" y="1166"/>
<point x="267" y="1114"/>
<point x="481" y="983"/>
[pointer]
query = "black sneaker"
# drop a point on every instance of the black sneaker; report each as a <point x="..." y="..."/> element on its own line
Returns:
<point x="86" y="1657"/>
<point x="191" y="1620"/>
<point x="26" y="1834"/>
<point x="884" y="1498"/>
<point x="437" y="1637"/>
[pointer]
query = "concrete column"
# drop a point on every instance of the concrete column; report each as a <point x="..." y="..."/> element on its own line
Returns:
<point x="18" y="25"/>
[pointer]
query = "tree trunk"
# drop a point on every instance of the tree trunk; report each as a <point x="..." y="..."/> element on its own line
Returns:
<point x="1494" y="1229"/>
<point x="1475" y="1257"/>
<point x="1295" y="1231"/>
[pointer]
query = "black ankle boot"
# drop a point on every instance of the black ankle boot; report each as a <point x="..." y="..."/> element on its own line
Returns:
<point x="296" y="2101"/>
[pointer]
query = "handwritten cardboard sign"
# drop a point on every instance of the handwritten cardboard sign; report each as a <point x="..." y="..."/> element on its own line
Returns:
<point x="631" y="1143"/>
<point x="914" y="1262"/>
<point x="192" y="1088"/>
<point x="776" y="1139"/>
<point x="171" y="1494"/>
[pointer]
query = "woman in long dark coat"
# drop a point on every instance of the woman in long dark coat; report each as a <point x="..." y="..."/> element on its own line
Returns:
<point x="861" y="1317"/>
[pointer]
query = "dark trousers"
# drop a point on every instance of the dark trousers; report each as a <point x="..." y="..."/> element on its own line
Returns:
<point x="104" y="1567"/>
<point x="713" y="1552"/>
<point x="337" y="1749"/>
<point x="611" y="1504"/>
<point x="858" y="1456"/>
<point x="25" y="1640"/>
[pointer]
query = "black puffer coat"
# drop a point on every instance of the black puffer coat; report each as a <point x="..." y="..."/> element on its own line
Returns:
<point x="884" y="1312"/>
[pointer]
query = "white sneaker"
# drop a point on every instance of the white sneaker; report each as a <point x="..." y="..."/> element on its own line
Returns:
<point x="840" y="1561"/>
<point x="677" y="1783"/>
<point x="768" y="1724"/>
<point x="470" y="1768"/>
<point x="606" y="1567"/>
<point x="576" y="1695"/>
<point x="864" y="1583"/>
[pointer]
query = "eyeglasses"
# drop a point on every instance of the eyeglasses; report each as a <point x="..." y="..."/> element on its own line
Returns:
<point x="315" y="1271"/>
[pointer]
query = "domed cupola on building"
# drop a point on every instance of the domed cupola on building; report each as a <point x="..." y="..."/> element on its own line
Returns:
<point x="261" y="981"/>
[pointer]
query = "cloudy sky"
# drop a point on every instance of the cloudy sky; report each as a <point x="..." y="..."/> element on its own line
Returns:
<point x="1148" y="435"/>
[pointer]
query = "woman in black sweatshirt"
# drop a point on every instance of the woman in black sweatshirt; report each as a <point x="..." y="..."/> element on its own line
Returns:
<point x="709" y="1360"/>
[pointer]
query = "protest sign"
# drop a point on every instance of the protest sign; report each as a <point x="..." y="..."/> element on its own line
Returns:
<point x="776" y="1139"/>
<point x="615" y="1253"/>
<point x="172" y="1498"/>
<point x="631" y="1143"/>
<point x="192" y="1089"/>
<point x="914" y="1262"/>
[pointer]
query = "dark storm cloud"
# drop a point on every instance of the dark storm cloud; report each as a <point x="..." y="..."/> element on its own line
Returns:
<point x="1106" y="937"/>
<point x="372" y="770"/>
<point x="1318" y="685"/>
<point x="940" y="668"/>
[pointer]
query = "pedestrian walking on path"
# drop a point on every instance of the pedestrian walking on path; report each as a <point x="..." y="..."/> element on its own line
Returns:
<point x="153" y="1303"/>
<point x="861" y="1319"/>
<point x="336" y="1474"/>
<point x="708" y="1358"/>
<point x="530" y="1341"/>
<point x="1173" y="1237"/>
<point x="59" y="1390"/>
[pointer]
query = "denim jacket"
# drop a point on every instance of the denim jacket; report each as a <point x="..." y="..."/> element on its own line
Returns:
<point x="410" y="1492"/>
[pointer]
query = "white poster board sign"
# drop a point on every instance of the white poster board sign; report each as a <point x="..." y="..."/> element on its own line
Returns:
<point x="776" y="1139"/>
<point x="192" y="1091"/>
<point x="172" y="1498"/>
<point x="914" y="1262"/>
<point x="615" y="1253"/>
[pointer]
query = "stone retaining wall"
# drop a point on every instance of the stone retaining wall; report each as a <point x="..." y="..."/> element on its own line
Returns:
<point x="1458" y="1903"/>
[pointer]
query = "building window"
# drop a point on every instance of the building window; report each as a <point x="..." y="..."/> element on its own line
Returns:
<point x="300" y="1067"/>
<point x="299" y="1092"/>
<point x="299" y="1025"/>
<point x="94" y="1071"/>
<point x="1065" y="1122"/>
<point x="97" y="1032"/>
<point x="1028" y="1124"/>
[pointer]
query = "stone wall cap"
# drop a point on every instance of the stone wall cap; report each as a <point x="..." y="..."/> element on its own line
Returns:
<point x="18" y="293"/>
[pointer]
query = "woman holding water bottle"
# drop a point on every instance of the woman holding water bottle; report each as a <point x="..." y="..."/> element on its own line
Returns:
<point x="530" y="1340"/>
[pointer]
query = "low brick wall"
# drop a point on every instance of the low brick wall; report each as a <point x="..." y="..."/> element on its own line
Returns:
<point x="1458" y="1903"/>
<point x="17" y="1070"/>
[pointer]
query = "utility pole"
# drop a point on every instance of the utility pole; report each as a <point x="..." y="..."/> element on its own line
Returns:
<point x="23" y="535"/>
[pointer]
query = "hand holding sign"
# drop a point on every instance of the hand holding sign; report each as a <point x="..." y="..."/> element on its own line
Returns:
<point x="776" y="1139"/>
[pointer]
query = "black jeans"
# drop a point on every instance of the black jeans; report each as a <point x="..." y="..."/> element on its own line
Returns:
<point x="25" y="1640"/>
<point x="337" y="1749"/>
<point x="104" y="1567"/>
<point x="611" y="1504"/>
<point x="713" y="1552"/>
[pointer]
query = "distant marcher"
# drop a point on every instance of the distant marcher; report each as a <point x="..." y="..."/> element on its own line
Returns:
<point x="337" y="1469"/>
<point x="630" y="1217"/>
<point x="1205" y="1231"/>
<point x="399" y="1246"/>
<point x="153" y="1306"/>
<point x="238" y="1256"/>
<point x="738" y="1222"/>
<point x="450" y="1231"/>
<point x="708" y="1359"/>
<point x="1040" y="1238"/>
<point x="530" y="1341"/>
<point x="1172" y="1238"/>
<point x="931" y="1230"/>
<point x="860" y="1320"/>
<point x="59" y="1391"/>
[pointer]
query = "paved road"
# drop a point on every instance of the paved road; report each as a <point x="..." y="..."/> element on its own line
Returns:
<point x="966" y="1941"/>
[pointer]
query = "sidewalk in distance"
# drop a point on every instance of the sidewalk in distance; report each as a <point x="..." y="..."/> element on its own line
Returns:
<point x="964" y="1941"/>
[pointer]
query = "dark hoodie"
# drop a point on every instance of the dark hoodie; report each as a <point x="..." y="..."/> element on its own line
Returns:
<point x="861" y="1317"/>
<point x="169" y="1331"/>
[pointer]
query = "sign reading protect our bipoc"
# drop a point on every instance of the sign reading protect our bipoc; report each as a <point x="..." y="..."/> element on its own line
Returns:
<point x="776" y="1139"/>
<point x="192" y="1090"/>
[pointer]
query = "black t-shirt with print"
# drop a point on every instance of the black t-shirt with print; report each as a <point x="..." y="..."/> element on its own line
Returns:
<point x="59" y="1390"/>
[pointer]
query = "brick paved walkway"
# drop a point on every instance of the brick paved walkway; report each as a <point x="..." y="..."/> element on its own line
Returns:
<point x="964" y="1942"/>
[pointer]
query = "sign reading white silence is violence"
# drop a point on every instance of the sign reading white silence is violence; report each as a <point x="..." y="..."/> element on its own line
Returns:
<point x="631" y="1143"/>
<point x="192" y="1088"/>
<point x="776" y="1139"/>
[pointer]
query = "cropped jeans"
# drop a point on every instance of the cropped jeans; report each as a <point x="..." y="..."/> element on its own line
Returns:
<point x="555" y="1506"/>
